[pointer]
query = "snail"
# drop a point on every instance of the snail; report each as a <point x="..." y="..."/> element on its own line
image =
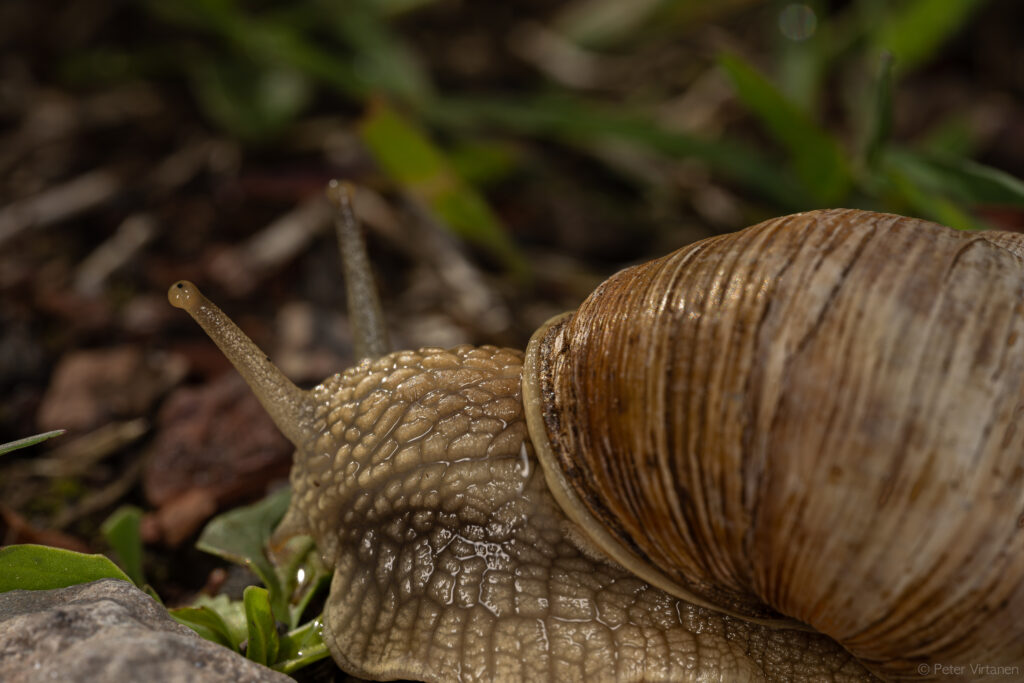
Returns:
<point x="786" y="453"/>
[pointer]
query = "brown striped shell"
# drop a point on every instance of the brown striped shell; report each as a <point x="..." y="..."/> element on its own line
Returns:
<point x="819" y="417"/>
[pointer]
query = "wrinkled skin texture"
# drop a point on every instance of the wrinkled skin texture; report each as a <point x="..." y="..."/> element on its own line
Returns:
<point x="453" y="562"/>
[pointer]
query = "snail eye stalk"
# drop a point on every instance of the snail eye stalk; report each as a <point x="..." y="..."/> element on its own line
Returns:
<point x="289" y="406"/>
<point x="369" y="331"/>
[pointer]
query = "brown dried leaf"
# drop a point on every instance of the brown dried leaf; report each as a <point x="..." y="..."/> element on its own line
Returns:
<point x="20" y="530"/>
<point x="218" y="439"/>
<point x="182" y="517"/>
<point x="89" y="388"/>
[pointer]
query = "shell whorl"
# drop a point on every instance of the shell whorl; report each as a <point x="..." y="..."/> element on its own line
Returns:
<point x="814" y="417"/>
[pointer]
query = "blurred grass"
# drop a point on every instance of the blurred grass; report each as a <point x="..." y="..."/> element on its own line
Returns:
<point x="913" y="32"/>
<point x="815" y="157"/>
<point x="256" y="68"/>
<point x="425" y="171"/>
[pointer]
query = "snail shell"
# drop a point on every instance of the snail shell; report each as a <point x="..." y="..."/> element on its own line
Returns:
<point x="811" y="419"/>
<point x="819" y="417"/>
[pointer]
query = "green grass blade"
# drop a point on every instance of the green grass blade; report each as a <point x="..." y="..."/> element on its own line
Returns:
<point x="931" y="206"/>
<point x="583" y="124"/>
<point x="878" y="119"/>
<point x="916" y="30"/>
<point x="382" y="60"/>
<point x="817" y="157"/>
<point x="29" y="441"/>
<point x="980" y="184"/>
<point x="38" y="567"/>
<point x="962" y="180"/>
<point x="263" y="41"/>
<point x="409" y="157"/>
<point x="803" y="53"/>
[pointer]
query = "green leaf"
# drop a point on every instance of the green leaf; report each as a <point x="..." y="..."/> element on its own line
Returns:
<point x="409" y="157"/>
<point x="38" y="567"/>
<point x="263" y="639"/>
<point x="916" y="30"/>
<point x="817" y="157"/>
<point x="240" y="536"/>
<point x="29" y="441"/>
<point x="207" y="623"/>
<point x="301" y="647"/>
<point x="121" y="530"/>
<point x="878" y="120"/>
<point x="231" y="612"/>
<point x="960" y="179"/>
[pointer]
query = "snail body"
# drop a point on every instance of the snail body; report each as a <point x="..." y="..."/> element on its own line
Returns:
<point x="743" y="461"/>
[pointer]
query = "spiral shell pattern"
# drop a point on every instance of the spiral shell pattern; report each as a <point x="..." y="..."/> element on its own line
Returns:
<point x="818" y="417"/>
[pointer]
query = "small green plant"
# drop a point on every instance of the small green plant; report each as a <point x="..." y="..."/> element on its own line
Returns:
<point x="291" y="579"/>
<point x="242" y="536"/>
<point x="910" y="179"/>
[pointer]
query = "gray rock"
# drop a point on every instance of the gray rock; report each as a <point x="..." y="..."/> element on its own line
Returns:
<point x="108" y="630"/>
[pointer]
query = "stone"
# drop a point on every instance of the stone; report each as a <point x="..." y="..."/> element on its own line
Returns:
<point x="108" y="630"/>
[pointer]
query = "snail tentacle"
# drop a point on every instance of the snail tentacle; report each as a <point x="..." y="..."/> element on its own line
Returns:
<point x="369" y="330"/>
<point x="290" y="407"/>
